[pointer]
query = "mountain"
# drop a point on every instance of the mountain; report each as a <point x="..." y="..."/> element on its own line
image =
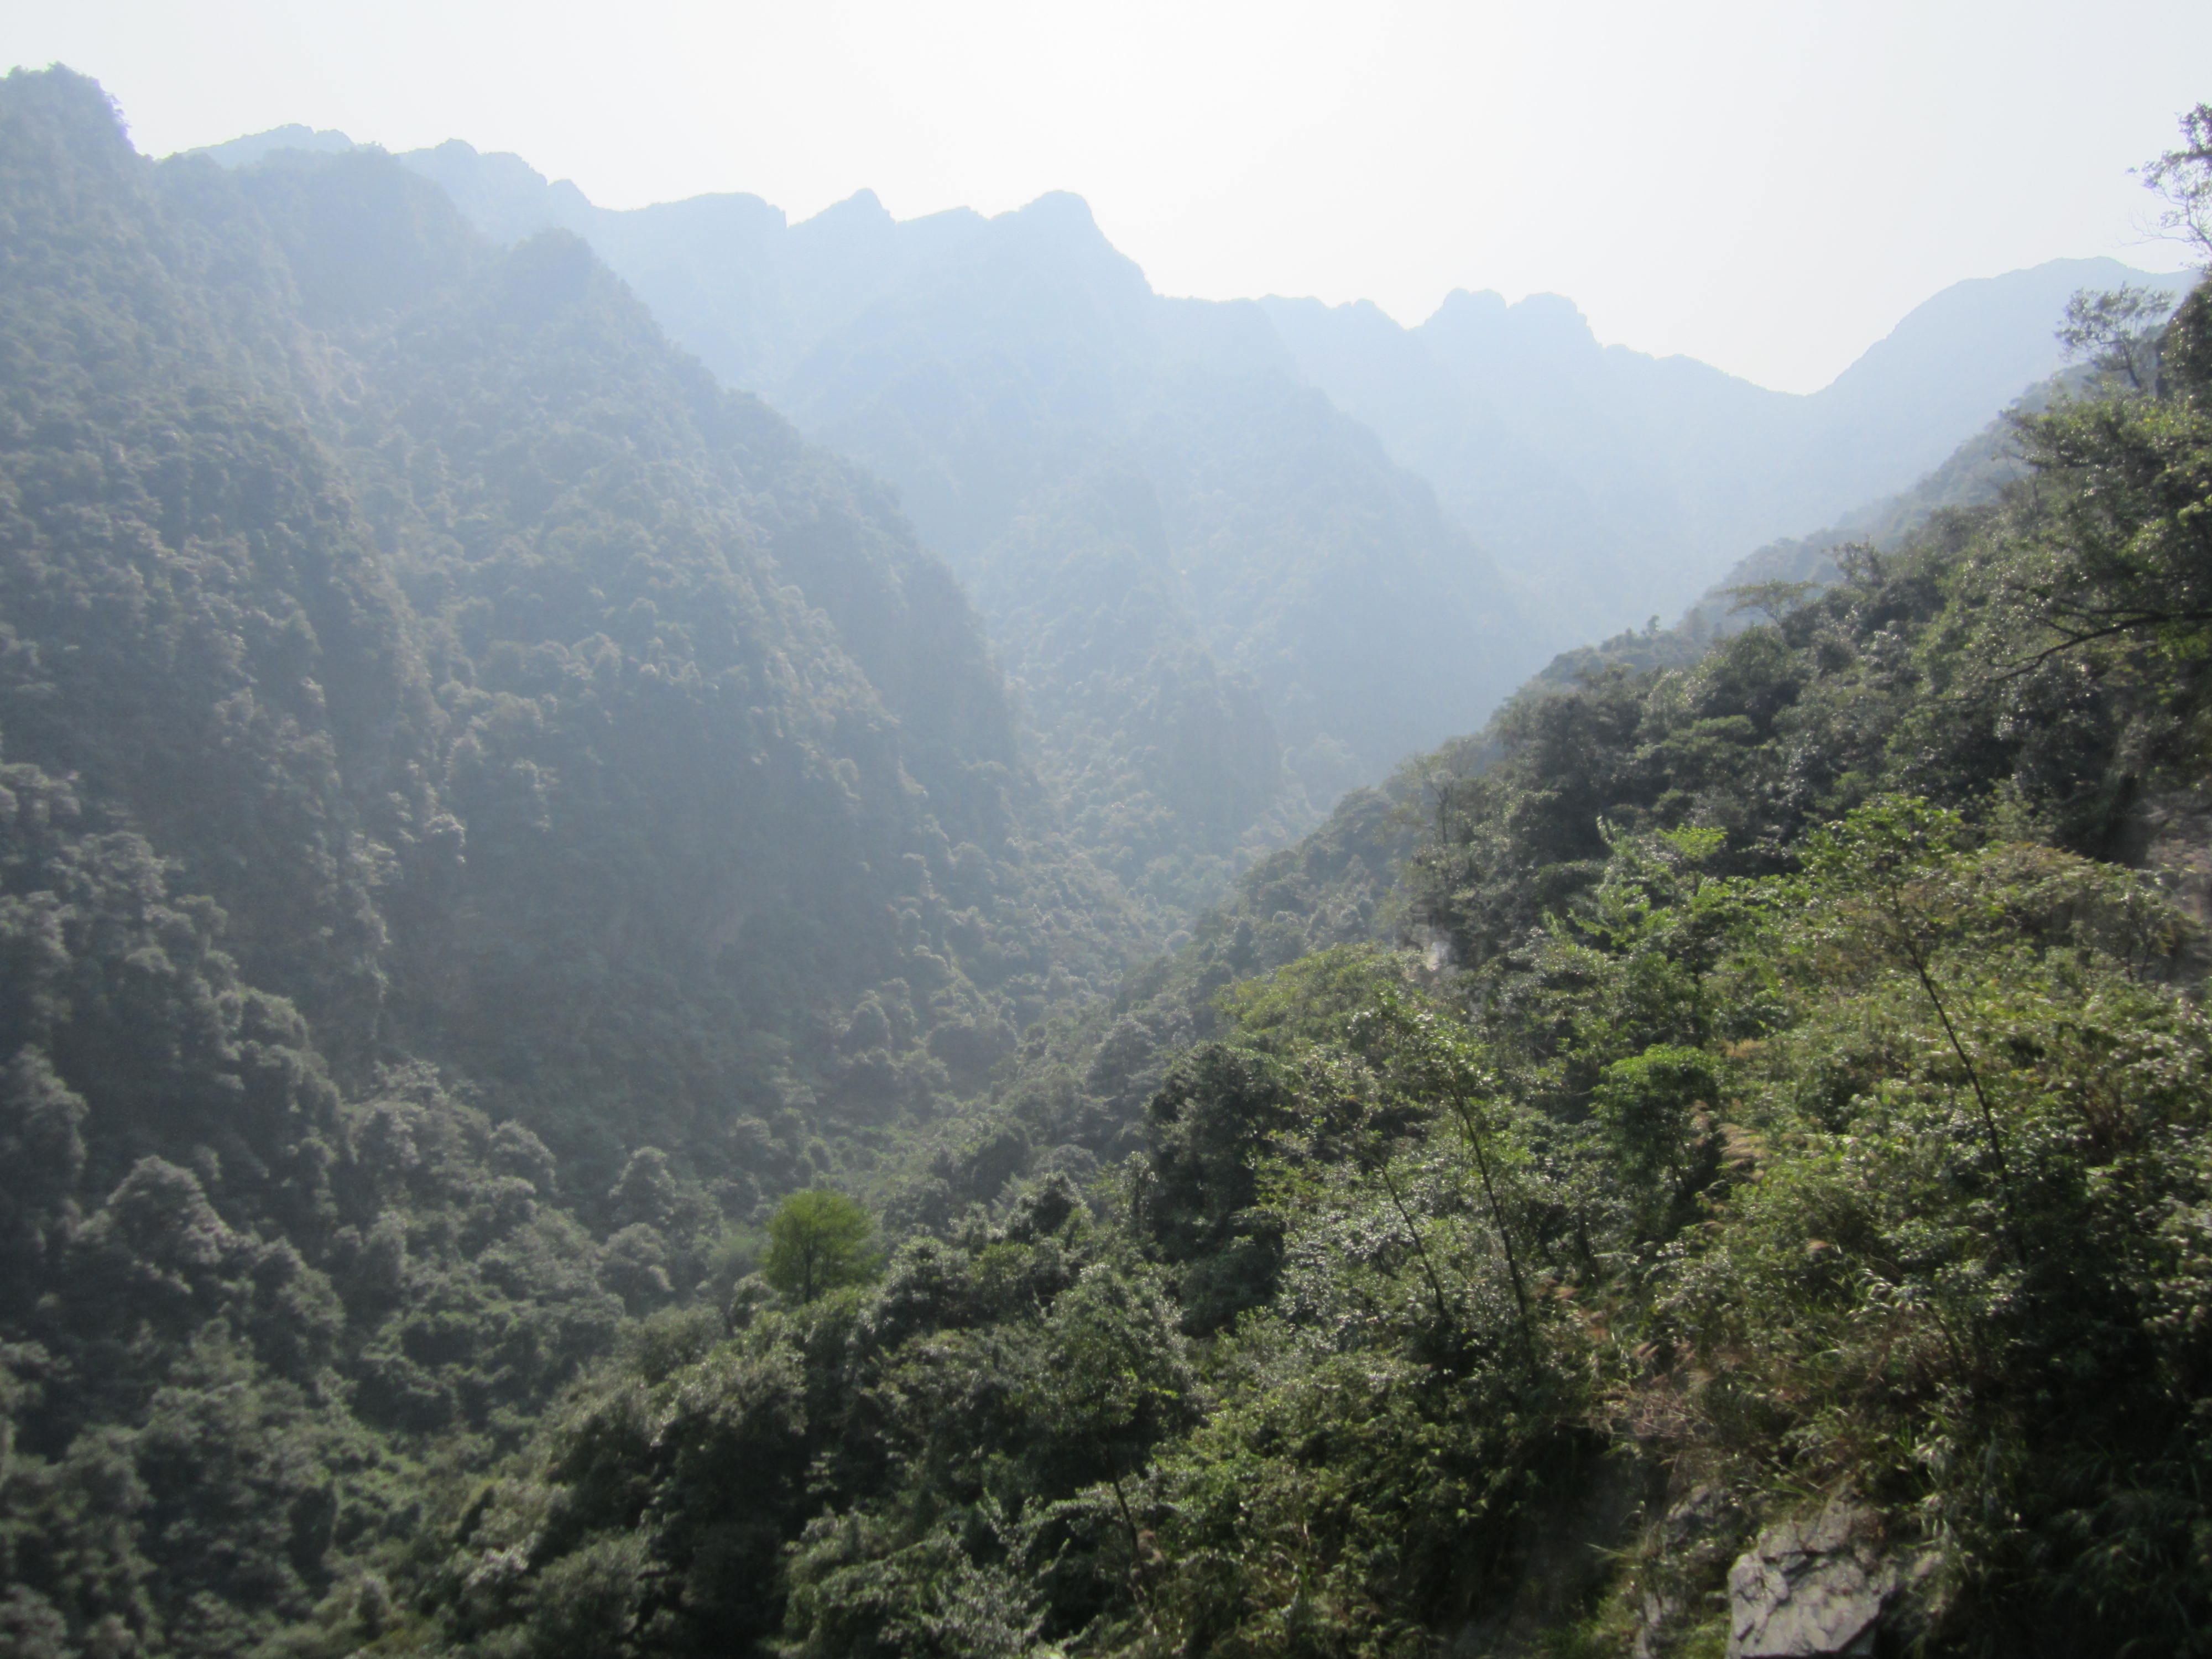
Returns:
<point x="996" y="370"/>
<point x="515" y="864"/>
<point x="486" y="808"/>
<point x="258" y="146"/>
<point x="1609" y="484"/>
<point x="1602" y="485"/>
<point x="1694" y="1164"/>
<point x="989" y="367"/>
<point x="1768" y="581"/>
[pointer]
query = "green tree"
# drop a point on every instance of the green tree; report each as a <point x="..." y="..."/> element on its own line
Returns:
<point x="818" y="1241"/>
<point x="2116" y="331"/>
<point x="2182" y="178"/>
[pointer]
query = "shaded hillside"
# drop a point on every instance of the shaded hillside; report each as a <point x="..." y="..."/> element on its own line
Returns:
<point x="1167" y="766"/>
<point x="484" y="808"/>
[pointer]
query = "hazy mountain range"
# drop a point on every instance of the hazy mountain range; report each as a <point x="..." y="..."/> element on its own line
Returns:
<point x="1602" y="479"/>
<point x="1339" y="540"/>
<point x="613" y="1045"/>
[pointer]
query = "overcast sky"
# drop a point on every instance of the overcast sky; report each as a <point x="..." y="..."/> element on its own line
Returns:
<point x="1766" y="186"/>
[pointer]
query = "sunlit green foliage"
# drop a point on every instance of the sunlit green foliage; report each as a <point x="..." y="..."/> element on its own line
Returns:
<point x="818" y="1241"/>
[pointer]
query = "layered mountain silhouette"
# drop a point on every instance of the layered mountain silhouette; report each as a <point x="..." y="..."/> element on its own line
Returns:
<point x="1237" y="557"/>
<point x="1601" y="479"/>
<point x="524" y="699"/>
<point x="1291" y="612"/>
<point x="515" y="858"/>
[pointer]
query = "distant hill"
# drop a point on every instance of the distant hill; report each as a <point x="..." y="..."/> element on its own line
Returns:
<point x="1365" y="535"/>
<point x="258" y="146"/>
<point x="1973" y="476"/>
<point x="995" y="370"/>
<point x="1610" y="485"/>
<point x="1605" y="484"/>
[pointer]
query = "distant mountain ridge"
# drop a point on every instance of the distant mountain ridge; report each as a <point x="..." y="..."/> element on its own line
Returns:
<point x="1639" y="478"/>
<point x="1369" y="534"/>
<point x="1615" y="477"/>
<point x="990" y="367"/>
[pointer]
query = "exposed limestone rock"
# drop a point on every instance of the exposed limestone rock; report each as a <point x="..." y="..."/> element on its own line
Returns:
<point x="1814" y="1586"/>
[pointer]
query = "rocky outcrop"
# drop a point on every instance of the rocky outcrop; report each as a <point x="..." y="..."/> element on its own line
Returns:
<point x="1818" y="1585"/>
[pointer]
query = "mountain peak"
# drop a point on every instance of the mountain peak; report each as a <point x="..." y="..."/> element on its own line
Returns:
<point x="1058" y="207"/>
<point x="258" y="146"/>
<point x="1462" y="305"/>
<point x="1485" y="319"/>
<point x="863" y="206"/>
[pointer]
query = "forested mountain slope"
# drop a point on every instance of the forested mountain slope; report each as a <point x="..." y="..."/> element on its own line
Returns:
<point x="483" y="806"/>
<point x="1306" y="611"/>
<point x="997" y="369"/>
<point x="1347" y="883"/>
<point x="1785" y="1210"/>
<point x="1611" y="485"/>
<point x="1724" y="1151"/>
<point x="1281" y="541"/>
<point x="1303" y="615"/>
<point x="583" y="578"/>
<point x="982" y="364"/>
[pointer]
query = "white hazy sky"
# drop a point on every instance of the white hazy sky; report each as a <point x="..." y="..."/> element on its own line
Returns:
<point x="1766" y="185"/>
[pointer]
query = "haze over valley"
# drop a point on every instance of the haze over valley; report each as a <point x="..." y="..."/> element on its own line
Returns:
<point x="842" y="938"/>
<point x="1344" y="578"/>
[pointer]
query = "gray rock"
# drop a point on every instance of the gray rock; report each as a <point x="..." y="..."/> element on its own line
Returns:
<point x="1811" y="1587"/>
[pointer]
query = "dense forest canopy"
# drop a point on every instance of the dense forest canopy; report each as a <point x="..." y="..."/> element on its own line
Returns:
<point x="567" y="1089"/>
<point x="487" y="808"/>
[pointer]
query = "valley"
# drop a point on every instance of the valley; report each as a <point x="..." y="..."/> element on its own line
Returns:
<point x="848" y="938"/>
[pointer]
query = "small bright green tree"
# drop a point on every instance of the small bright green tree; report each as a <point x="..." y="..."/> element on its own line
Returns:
<point x="818" y="1241"/>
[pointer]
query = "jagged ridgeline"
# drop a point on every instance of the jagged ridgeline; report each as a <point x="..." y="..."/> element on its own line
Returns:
<point x="1222" y="602"/>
